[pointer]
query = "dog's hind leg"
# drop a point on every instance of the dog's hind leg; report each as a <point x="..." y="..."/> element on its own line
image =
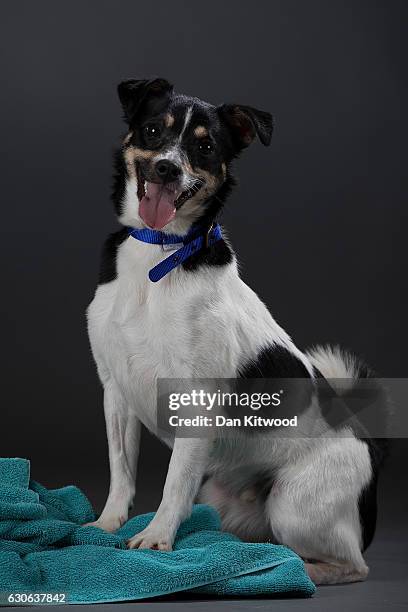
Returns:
<point x="123" y="432"/>
<point x="314" y="509"/>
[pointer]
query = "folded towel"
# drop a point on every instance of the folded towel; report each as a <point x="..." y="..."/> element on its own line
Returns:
<point x="44" y="548"/>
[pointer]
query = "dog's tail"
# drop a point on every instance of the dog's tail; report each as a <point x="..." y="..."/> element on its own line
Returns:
<point x="336" y="363"/>
<point x="344" y="371"/>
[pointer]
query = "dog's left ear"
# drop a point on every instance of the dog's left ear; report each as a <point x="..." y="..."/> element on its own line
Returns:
<point x="246" y="122"/>
<point x="134" y="91"/>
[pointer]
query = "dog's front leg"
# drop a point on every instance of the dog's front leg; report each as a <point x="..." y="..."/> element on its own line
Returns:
<point x="186" y="468"/>
<point x="123" y="432"/>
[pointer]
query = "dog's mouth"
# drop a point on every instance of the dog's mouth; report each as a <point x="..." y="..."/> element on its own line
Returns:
<point x="159" y="203"/>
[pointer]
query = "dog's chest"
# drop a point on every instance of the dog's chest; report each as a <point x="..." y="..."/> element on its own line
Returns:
<point x="141" y="331"/>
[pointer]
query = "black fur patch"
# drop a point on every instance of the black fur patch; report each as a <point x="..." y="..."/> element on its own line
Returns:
<point x="275" y="362"/>
<point x="119" y="181"/>
<point x="107" y="269"/>
<point x="218" y="254"/>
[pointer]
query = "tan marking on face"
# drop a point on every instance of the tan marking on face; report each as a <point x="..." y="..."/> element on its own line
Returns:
<point x="133" y="154"/>
<point x="200" y="132"/>
<point x="168" y="120"/>
<point x="211" y="182"/>
<point x="130" y="161"/>
<point x="187" y="167"/>
<point x="224" y="170"/>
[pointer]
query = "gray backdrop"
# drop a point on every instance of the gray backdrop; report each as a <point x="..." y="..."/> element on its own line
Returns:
<point x="318" y="221"/>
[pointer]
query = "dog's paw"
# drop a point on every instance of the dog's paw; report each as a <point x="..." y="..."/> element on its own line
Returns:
<point x="152" y="538"/>
<point x="108" y="523"/>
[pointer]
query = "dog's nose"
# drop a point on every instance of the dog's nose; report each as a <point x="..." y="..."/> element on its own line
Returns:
<point x="167" y="171"/>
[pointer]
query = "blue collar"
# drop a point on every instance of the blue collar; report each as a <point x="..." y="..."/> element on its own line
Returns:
<point x="191" y="243"/>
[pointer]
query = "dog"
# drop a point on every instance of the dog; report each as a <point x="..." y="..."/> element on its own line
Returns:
<point x="161" y="313"/>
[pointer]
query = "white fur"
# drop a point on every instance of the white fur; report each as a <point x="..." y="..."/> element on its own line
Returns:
<point x="187" y="119"/>
<point x="209" y="323"/>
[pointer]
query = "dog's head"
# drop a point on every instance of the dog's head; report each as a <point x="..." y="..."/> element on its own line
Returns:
<point x="177" y="152"/>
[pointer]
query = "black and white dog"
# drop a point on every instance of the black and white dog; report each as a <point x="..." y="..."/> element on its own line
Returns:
<point x="200" y="320"/>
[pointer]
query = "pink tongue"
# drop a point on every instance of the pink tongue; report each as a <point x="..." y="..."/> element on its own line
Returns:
<point x="157" y="207"/>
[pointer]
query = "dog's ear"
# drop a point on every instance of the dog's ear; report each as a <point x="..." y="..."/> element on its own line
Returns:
<point x="245" y="122"/>
<point x="133" y="92"/>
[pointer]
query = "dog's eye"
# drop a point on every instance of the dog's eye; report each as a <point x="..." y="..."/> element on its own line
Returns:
<point x="152" y="131"/>
<point x="205" y="148"/>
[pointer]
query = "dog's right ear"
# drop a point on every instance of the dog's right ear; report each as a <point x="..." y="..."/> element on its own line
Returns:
<point x="245" y="123"/>
<point x="133" y="92"/>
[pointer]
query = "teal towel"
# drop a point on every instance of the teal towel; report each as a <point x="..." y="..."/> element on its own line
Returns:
<point x="44" y="548"/>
